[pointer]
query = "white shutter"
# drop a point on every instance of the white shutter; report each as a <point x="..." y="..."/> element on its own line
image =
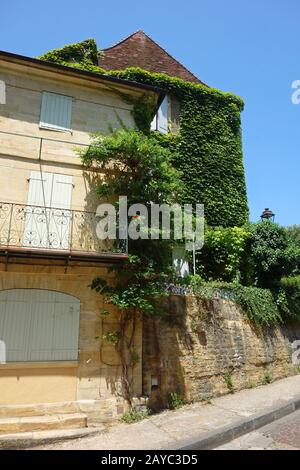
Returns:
<point x="66" y="329"/>
<point x="14" y="324"/>
<point x="154" y="123"/>
<point x="56" y="111"/>
<point x="162" y="116"/>
<point x="61" y="191"/>
<point x="37" y="217"/>
<point x="47" y="226"/>
<point x="180" y="262"/>
<point x="60" y="220"/>
<point x="2" y="92"/>
<point x="38" y="325"/>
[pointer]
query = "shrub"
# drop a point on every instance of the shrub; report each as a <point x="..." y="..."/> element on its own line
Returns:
<point x="258" y="304"/>
<point x="134" y="415"/>
<point x="228" y="380"/>
<point x="290" y="296"/>
<point x="175" y="401"/>
<point x="270" y="255"/>
<point x="222" y="253"/>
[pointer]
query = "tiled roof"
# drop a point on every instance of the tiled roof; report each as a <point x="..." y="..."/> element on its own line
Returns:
<point x="139" y="50"/>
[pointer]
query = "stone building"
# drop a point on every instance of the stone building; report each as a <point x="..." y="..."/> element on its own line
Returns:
<point x="52" y="360"/>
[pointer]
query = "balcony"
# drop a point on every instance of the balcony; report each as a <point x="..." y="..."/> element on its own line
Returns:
<point x="47" y="232"/>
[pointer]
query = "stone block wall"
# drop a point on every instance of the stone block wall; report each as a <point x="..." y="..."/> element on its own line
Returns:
<point x="206" y="344"/>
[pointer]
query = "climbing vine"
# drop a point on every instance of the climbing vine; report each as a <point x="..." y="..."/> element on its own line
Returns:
<point x="208" y="147"/>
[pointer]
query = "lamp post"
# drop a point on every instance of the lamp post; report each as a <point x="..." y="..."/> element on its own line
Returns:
<point x="267" y="215"/>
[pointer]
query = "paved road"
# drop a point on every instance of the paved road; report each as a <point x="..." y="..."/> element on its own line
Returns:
<point x="283" y="434"/>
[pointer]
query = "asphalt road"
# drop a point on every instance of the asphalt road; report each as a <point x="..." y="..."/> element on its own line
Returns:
<point x="283" y="434"/>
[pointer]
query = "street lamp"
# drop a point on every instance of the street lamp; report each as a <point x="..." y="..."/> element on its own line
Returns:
<point x="267" y="215"/>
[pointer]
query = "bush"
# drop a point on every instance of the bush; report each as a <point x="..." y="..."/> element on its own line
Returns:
<point x="290" y="296"/>
<point x="175" y="401"/>
<point x="222" y="253"/>
<point x="258" y="304"/>
<point x="270" y="255"/>
<point x="133" y="416"/>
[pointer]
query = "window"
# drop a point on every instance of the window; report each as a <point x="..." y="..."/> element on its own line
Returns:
<point x="48" y="215"/>
<point x="38" y="325"/>
<point x="2" y="92"/>
<point x="56" y="111"/>
<point x="160" y="121"/>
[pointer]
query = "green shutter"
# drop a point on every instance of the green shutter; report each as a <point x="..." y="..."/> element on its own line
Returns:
<point x="56" y="111"/>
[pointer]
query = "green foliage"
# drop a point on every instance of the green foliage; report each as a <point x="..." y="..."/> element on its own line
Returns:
<point x="136" y="165"/>
<point x="293" y="233"/>
<point x="271" y="255"/>
<point x="258" y="304"/>
<point x="84" y="52"/>
<point x="289" y="297"/>
<point x="267" y="379"/>
<point x="133" y="416"/>
<point x="207" y="150"/>
<point x="175" y="401"/>
<point x="112" y="337"/>
<point x="221" y="255"/>
<point x="208" y="146"/>
<point x="228" y="380"/>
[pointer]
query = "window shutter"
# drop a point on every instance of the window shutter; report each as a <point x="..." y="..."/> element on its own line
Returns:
<point x="60" y="220"/>
<point x="38" y="325"/>
<point x="61" y="191"/>
<point x="153" y="126"/>
<point x="2" y="92"/>
<point x="40" y="188"/>
<point x="162" y="116"/>
<point x="56" y="111"/>
<point x="54" y="327"/>
<point x="180" y="262"/>
<point x="46" y="226"/>
<point x="14" y="325"/>
<point x="37" y="217"/>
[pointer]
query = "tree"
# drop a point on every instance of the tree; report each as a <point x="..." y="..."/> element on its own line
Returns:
<point x="271" y="254"/>
<point x="137" y="166"/>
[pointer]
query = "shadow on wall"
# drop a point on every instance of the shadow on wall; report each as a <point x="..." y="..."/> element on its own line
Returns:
<point x="209" y="348"/>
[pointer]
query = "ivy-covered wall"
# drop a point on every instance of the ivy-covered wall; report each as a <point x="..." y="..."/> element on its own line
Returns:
<point x="208" y="148"/>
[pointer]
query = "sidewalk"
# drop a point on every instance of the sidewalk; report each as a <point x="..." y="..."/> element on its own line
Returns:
<point x="199" y="425"/>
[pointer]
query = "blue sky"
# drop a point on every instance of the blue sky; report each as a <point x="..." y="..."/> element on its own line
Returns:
<point x="249" y="48"/>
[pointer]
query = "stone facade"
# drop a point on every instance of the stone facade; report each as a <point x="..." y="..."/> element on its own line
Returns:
<point x="90" y="384"/>
<point x="208" y="344"/>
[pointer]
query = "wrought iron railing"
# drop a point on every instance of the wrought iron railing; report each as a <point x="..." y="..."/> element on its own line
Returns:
<point x="27" y="226"/>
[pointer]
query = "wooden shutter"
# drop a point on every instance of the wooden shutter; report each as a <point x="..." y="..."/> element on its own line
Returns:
<point x="37" y="213"/>
<point x="14" y="324"/>
<point x="60" y="220"/>
<point x="180" y="262"/>
<point x="2" y="92"/>
<point x="56" y="111"/>
<point x="162" y="116"/>
<point x="47" y="226"/>
<point x="38" y="325"/>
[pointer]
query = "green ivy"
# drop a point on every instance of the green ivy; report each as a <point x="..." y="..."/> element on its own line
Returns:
<point x="258" y="304"/>
<point x="208" y="148"/>
<point x="289" y="296"/>
<point x="85" y="52"/>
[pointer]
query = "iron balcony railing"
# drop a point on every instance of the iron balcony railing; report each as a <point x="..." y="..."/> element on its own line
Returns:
<point x="37" y="227"/>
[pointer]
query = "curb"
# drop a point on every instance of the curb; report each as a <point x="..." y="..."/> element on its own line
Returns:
<point x="26" y="440"/>
<point x="213" y="439"/>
